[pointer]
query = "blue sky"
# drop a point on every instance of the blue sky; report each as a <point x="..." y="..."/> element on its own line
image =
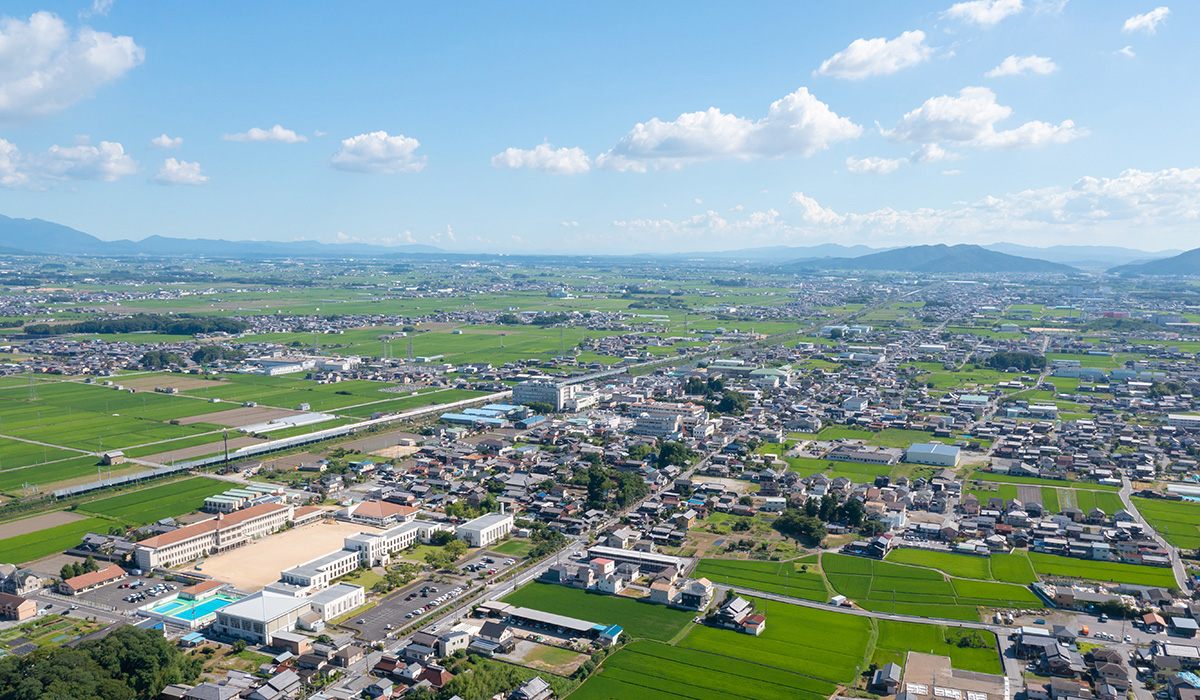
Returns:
<point x="631" y="127"/>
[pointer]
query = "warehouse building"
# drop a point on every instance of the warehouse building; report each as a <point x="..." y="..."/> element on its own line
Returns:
<point x="934" y="453"/>
<point x="485" y="529"/>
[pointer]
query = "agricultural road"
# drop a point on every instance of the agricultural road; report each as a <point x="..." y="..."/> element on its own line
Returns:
<point x="1176" y="562"/>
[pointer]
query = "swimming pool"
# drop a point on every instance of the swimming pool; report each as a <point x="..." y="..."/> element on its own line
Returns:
<point x="190" y="610"/>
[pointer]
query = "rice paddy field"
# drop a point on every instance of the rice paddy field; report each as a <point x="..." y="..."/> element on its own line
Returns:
<point x="912" y="590"/>
<point x="1177" y="521"/>
<point x="138" y="508"/>
<point x="787" y="661"/>
<point x="800" y="579"/>
<point x="978" y="652"/>
<point x="43" y="543"/>
<point x="1104" y="571"/>
<point x="640" y="620"/>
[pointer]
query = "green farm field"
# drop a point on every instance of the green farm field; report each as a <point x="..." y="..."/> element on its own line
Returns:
<point x="43" y="543"/>
<point x="1177" y="521"/>
<point x="895" y="639"/>
<point x="157" y="502"/>
<point x="788" y="643"/>
<point x="912" y="590"/>
<point x="640" y="620"/>
<point x="768" y="576"/>
<point x="1051" y="565"/>
<point x="650" y="671"/>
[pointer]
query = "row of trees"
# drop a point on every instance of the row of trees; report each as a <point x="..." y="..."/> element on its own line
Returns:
<point x="1024" y="361"/>
<point x="178" y="324"/>
<point x="79" y="568"/>
<point x="209" y="354"/>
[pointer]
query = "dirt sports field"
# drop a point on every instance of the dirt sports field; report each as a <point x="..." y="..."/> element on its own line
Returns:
<point x="181" y="382"/>
<point x="251" y="567"/>
<point x="237" y="417"/>
<point x="36" y="523"/>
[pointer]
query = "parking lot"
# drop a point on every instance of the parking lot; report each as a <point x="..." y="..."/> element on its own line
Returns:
<point x="403" y="608"/>
<point x="114" y="595"/>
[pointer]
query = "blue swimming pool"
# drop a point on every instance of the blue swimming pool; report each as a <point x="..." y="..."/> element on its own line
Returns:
<point x="190" y="611"/>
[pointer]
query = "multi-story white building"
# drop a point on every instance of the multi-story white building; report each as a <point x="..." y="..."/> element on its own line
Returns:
<point x="320" y="572"/>
<point x="660" y="419"/>
<point x="542" y="391"/>
<point x="1184" y="421"/>
<point x="485" y="529"/>
<point x="211" y="536"/>
<point x="338" y="600"/>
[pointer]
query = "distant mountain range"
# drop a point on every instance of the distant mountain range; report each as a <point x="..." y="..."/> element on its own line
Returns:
<point x="937" y="258"/>
<point x="1186" y="263"/>
<point x="1100" y="257"/>
<point x="38" y="237"/>
<point x="35" y="236"/>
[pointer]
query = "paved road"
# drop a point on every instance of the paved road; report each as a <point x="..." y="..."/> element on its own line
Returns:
<point x="1176" y="562"/>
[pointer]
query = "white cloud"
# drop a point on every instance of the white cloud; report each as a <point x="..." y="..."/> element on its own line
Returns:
<point x="697" y="200"/>
<point x="710" y="222"/>
<point x="931" y="153"/>
<point x="107" y="162"/>
<point x="1105" y="209"/>
<point x="970" y="119"/>
<point x="276" y="134"/>
<point x="952" y="172"/>
<point x="165" y="141"/>
<point x="797" y="125"/>
<point x="99" y="7"/>
<point x="377" y="152"/>
<point x="1109" y="211"/>
<point x="561" y="161"/>
<point x="12" y="174"/>
<point x="180" y="172"/>
<point x="983" y="12"/>
<point x="569" y="224"/>
<point x="1126" y="52"/>
<point x="318" y="133"/>
<point x="1147" y="22"/>
<point x="813" y="212"/>
<point x="1017" y="65"/>
<point x="44" y="67"/>
<point x="874" y="165"/>
<point x="83" y="161"/>
<point x="865" y="58"/>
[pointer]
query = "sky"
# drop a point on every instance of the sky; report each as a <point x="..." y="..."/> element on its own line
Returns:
<point x="606" y="127"/>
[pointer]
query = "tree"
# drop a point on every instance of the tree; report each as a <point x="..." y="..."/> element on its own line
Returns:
<point x="127" y="664"/>
<point x="792" y="523"/>
<point x="851" y="512"/>
<point x="239" y="646"/>
<point x="456" y="548"/>
<point x="540" y="406"/>
<point x="89" y="565"/>
<point x="873" y="527"/>
<point x="674" y="453"/>
<point x="441" y="537"/>
<point x="734" y="402"/>
<point x="828" y="508"/>
<point x="597" y="486"/>
<point x="746" y="501"/>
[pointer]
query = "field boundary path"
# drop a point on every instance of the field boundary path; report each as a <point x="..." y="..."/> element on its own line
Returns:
<point x="1176" y="562"/>
<point x="1012" y="666"/>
